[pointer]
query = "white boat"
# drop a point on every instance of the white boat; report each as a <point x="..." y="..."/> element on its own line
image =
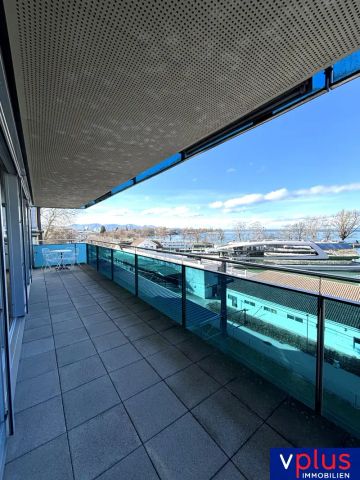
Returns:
<point x="293" y="254"/>
<point x="271" y="249"/>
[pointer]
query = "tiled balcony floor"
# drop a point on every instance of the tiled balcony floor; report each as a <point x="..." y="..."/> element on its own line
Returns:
<point x="108" y="388"/>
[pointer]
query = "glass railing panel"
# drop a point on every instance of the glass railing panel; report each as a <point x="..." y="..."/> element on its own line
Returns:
<point x="277" y="277"/>
<point x="341" y="394"/>
<point x="79" y="250"/>
<point x="203" y="297"/>
<point x="92" y="256"/>
<point x="273" y="331"/>
<point x="124" y="270"/>
<point x="105" y="261"/>
<point x="160" y="285"/>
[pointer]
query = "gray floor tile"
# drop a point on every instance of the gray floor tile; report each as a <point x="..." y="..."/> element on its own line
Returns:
<point x="87" y="401"/>
<point x="60" y="301"/>
<point x="96" y="318"/>
<point x="135" y="332"/>
<point x="36" y="390"/>
<point x="300" y="426"/>
<point x="37" y="333"/>
<point x="37" y="346"/>
<point x="226" y="420"/>
<point x="31" y="323"/>
<point x="219" y="367"/>
<point x="103" y="298"/>
<point x="154" y="409"/>
<point x="169" y="361"/>
<point x="76" y="374"/>
<point x="58" y="298"/>
<point x="261" y="396"/>
<point x="184" y="451"/>
<point x="149" y="314"/>
<point x="90" y="310"/>
<point x="161" y="323"/>
<point x="62" y="309"/>
<point x="112" y="304"/>
<point x="253" y="459"/>
<point x="36" y="426"/>
<point x="68" y="338"/>
<point x="98" y="329"/>
<point x="195" y="349"/>
<point x="64" y="316"/>
<point x="176" y="335"/>
<point x="38" y="307"/>
<point x="74" y="353"/>
<point x="151" y="345"/>
<point x="192" y="385"/>
<point x="229" y="472"/>
<point x="67" y="325"/>
<point x="33" y="465"/>
<point x="36" y="365"/>
<point x="126" y="320"/>
<point x="139" y="306"/>
<point x="109" y="341"/>
<point x="84" y="301"/>
<point x="101" y="442"/>
<point x="134" y="378"/>
<point x="120" y="357"/>
<point x="136" y="466"/>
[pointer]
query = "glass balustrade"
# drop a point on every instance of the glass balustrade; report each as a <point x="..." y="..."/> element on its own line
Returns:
<point x="289" y="327"/>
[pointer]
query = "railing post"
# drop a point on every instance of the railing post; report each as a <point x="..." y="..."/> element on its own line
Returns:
<point x="320" y="354"/>
<point x="136" y="276"/>
<point x="112" y="264"/>
<point x="183" y="296"/>
<point x="97" y="258"/>
<point x="223" y="308"/>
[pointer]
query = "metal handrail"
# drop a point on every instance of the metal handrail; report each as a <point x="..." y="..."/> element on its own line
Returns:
<point x="223" y="276"/>
<point x="55" y="241"/>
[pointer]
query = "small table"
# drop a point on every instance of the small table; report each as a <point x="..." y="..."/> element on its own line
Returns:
<point x="61" y="265"/>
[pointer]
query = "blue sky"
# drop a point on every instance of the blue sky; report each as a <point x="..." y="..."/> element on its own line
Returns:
<point x="305" y="162"/>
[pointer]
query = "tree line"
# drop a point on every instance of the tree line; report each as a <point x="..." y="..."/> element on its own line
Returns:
<point x="56" y="224"/>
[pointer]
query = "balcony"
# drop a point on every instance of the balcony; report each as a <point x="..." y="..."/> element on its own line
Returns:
<point x="111" y="387"/>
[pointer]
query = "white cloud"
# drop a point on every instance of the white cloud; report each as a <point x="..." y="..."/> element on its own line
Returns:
<point x="244" y="200"/>
<point x="216" y="204"/>
<point x="277" y="194"/>
<point x="323" y="189"/>
<point x="283" y="193"/>
<point x="231" y="170"/>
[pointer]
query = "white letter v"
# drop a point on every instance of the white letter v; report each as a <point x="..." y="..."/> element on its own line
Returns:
<point x="286" y="464"/>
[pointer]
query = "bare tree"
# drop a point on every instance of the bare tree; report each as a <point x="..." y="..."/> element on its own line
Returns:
<point x="240" y="230"/>
<point x="55" y="220"/>
<point x="312" y="227"/>
<point x="102" y="229"/>
<point x="220" y="235"/>
<point x="346" y="222"/>
<point x="161" y="232"/>
<point x="257" y="231"/>
<point x="296" y="231"/>
<point x="327" y="228"/>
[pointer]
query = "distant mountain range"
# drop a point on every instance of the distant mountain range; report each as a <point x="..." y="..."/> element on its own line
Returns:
<point x="109" y="226"/>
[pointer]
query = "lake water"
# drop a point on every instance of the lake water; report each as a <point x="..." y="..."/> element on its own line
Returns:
<point x="275" y="234"/>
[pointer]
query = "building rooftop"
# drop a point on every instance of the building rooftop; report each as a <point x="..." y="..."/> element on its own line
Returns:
<point x="109" y="388"/>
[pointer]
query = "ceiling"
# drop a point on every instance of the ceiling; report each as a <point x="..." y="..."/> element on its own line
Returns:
<point x="109" y="88"/>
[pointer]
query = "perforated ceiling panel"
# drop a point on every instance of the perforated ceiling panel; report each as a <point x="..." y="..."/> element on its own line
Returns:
<point x="109" y="88"/>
